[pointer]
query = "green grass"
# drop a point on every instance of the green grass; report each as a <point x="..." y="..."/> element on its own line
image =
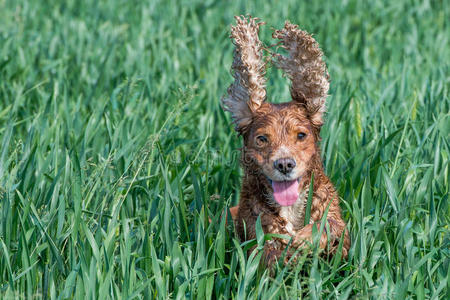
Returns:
<point x="114" y="151"/>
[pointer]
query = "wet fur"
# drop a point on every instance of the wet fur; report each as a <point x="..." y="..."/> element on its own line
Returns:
<point x="256" y="193"/>
<point x="281" y="124"/>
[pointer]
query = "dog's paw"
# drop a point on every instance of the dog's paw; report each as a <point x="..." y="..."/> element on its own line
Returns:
<point x="305" y="237"/>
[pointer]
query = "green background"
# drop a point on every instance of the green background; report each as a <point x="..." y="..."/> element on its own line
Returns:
<point x="114" y="150"/>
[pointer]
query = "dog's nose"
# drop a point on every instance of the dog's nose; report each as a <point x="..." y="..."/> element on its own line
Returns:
<point x="284" y="165"/>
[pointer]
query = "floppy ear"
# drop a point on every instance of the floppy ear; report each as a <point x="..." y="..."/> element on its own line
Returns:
<point x="246" y="94"/>
<point x="306" y="69"/>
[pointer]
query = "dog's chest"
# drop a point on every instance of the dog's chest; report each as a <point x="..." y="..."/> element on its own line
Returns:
<point x="294" y="215"/>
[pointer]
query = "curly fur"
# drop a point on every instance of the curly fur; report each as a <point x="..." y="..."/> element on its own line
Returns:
<point x="248" y="90"/>
<point x="305" y="68"/>
<point x="281" y="124"/>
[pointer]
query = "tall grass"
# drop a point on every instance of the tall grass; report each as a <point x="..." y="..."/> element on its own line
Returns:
<point x="114" y="152"/>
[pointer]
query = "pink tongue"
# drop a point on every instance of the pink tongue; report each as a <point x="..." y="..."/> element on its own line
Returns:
<point x="285" y="192"/>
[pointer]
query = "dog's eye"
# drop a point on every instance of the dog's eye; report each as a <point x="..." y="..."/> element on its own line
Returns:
<point x="261" y="140"/>
<point x="301" y="136"/>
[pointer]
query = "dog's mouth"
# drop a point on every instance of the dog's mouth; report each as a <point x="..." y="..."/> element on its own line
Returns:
<point x="285" y="192"/>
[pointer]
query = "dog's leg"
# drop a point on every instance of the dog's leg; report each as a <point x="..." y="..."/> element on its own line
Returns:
<point x="234" y="212"/>
<point x="336" y="226"/>
<point x="272" y="253"/>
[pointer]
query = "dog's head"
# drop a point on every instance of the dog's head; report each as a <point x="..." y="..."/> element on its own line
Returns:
<point x="280" y="140"/>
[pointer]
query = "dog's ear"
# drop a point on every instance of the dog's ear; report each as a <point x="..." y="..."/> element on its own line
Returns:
<point x="306" y="69"/>
<point x="246" y="94"/>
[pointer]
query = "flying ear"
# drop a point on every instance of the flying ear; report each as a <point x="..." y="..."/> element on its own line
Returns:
<point x="305" y="68"/>
<point x="246" y="94"/>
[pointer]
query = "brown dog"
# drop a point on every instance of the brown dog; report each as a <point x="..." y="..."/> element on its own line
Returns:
<point x="281" y="152"/>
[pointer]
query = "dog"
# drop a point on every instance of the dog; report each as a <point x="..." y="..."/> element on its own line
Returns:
<point x="280" y="153"/>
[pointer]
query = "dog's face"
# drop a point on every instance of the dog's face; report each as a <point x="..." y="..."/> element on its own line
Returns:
<point x="280" y="142"/>
<point x="280" y="139"/>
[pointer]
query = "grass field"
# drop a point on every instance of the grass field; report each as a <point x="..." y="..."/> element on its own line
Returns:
<point x="114" y="150"/>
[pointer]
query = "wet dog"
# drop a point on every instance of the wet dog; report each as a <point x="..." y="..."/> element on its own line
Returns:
<point x="281" y="154"/>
